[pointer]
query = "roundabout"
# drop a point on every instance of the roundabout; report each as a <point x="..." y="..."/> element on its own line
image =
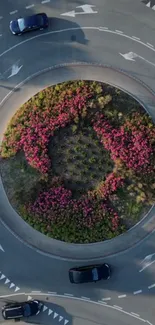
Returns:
<point x="79" y="53"/>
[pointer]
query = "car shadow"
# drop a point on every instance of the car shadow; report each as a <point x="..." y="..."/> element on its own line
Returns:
<point x="51" y="314"/>
<point x="61" y="30"/>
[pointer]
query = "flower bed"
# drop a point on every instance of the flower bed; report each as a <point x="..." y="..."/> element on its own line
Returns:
<point x="78" y="161"/>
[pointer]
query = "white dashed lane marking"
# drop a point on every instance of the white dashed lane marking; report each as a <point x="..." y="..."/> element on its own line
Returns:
<point x="102" y="302"/>
<point x="122" y="296"/>
<point x="30" y="6"/>
<point x="137" y="38"/>
<point x="150" y="44"/>
<point x="118" y="307"/>
<point x="151" y="286"/>
<point x="13" y="12"/>
<point x="135" y="314"/>
<point x="106" y="298"/>
<point x="137" y="292"/>
<point x="45" y="1"/>
<point x="118" y="31"/>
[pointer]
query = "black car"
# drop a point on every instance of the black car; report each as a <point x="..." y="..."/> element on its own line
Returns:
<point x="27" y="24"/>
<point x="89" y="273"/>
<point x="22" y="309"/>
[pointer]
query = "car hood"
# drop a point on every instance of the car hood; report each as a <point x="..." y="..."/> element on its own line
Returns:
<point x="14" y="26"/>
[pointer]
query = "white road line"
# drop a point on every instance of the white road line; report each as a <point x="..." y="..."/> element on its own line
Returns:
<point x="150" y="44"/>
<point x="122" y="296"/>
<point x="85" y="298"/>
<point x="68" y="294"/>
<point x="106" y="298"/>
<point x="147" y="265"/>
<point x="63" y="31"/>
<point x="103" y="28"/>
<point x="118" y="31"/>
<point x="13" y="12"/>
<point x="151" y="286"/>
<point x="137" y="292"/>
<point x="52" y="293"/>
<point x="14" y="294"/>
<point x="45" y="1"/>
<point x="35" y="291"/>
<point x="136" y="38"/>
<point x="102" y="302"/>
<point x="30" y="6"/>
<point x="76" y="298"/>
<point x="135" y="314"/>
<point x="117" y="307"/>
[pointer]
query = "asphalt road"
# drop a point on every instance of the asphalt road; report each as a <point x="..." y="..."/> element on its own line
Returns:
<point x="117" y="27"/>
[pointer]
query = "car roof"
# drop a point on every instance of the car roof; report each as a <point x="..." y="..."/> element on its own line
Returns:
<point x="13" y="311"/>
<point x="86" y="273"/>
<point x="29" y="20"/>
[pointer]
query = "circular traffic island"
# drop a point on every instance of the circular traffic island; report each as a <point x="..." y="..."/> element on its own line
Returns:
<point x="78" y="161"/>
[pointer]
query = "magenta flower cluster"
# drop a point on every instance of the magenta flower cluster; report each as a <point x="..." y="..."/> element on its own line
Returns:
<point x="131" y="142"/>
<point x="32" y="132"/>
<point x="57" y="205"/>
<point x="111" y="184"/>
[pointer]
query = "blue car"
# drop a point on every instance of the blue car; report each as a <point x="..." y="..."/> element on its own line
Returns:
<point x="27" y="24"/>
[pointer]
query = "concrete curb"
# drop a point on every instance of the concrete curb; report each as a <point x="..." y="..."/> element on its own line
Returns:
<point x="8" y="215"/>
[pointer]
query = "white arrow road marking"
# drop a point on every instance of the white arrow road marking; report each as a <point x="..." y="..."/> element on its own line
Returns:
<point x="17" y="289"/>
<point x="2" y="277"/>
<point x="12" y="285"/>
<point x="50" y="311"/>
<point x="55" y="315"/>
<point x="87" y="9"/>
<point x="1" y="248"/>
<point x="14" y="70"/>
<point x="147" y="261"/>
<point x="45" y="308"/>
<point x="60" y="318"/>
<point x="131" y="55"/>
<point x="7" y="281"/>
<point x="66" y="321"/>
<point x="29" y="298"/>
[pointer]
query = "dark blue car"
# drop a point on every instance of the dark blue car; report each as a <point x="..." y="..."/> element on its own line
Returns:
<point x="89" y="273"/>
<point x="27" y="24"/>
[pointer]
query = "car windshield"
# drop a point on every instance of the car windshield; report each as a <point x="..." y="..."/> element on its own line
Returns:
<point x="27" y="310"/>
<point x="95" y="274"/>
<point x="21" y="24"/>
